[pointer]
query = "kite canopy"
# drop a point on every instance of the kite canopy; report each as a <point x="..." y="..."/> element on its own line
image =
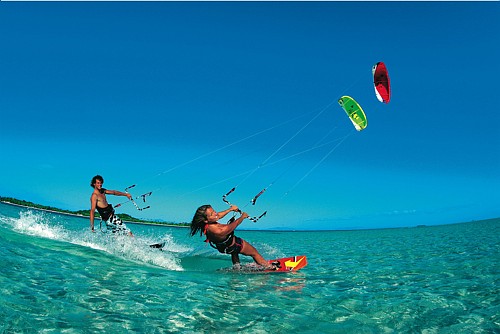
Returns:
<point x="381" y="82"/>
<point x="354" y="111"/>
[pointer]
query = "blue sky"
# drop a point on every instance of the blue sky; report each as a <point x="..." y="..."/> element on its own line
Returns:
<point x="191" y="99"/>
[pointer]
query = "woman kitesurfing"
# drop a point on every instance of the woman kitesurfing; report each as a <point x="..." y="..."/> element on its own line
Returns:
<point x="221" y="236"/>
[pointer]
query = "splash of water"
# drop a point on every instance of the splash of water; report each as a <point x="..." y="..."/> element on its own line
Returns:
<point x="41" y="224"/>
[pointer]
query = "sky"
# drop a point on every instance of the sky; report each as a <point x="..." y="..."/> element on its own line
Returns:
<point x="191" y="99"/>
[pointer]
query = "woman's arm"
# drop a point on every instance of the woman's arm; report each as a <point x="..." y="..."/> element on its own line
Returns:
<point x="225" y="212"/>
<point x="222" y="230"/>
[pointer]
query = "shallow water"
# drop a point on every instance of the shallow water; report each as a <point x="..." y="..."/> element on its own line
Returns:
<point x="56" y="276"/>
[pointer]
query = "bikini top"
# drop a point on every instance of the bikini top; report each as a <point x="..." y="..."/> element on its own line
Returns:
<point x="227" y="242"/>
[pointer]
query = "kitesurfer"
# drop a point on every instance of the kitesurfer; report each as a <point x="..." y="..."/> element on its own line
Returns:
<point x="99" y="202"/>
<point x="221" y="236"/>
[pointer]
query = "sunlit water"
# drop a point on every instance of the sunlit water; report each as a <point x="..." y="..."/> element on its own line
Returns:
<point x="57" y="276"/>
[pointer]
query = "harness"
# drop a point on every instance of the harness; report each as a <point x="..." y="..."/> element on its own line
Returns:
<point x="222" y="246"/>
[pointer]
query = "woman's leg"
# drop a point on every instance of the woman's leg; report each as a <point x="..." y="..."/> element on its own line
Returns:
<point x="235" y="258"/>
<point x="250" y="250"/>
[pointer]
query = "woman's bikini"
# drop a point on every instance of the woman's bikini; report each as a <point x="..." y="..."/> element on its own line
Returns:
<point x="227" y="246"/>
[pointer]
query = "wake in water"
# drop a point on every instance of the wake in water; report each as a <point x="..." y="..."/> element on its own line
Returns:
<point x="248" y="268"/>
<point x="41" y="224"/>
<point x="175" y="254"/>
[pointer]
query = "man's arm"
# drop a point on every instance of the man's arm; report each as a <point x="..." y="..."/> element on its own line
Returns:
<point x="93" y="203"/>
<point x="118" y="193"/>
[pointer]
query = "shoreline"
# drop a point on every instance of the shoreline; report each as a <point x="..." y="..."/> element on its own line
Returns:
<point x="244" y="229"/>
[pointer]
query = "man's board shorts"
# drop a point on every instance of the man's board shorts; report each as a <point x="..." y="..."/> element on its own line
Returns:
<point x="116" y="225"/>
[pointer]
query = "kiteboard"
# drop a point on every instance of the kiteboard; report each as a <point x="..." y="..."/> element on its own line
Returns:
<point x="287" y="264"/>
<point x="282" y="265"/>
<point x="354" y="111"/>
<point x="381" y="82"/>
<point x="159" y="245"/>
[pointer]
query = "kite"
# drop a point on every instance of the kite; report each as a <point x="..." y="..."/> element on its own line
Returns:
<point x="354" y="111"/>
<point x="381" y="82"/>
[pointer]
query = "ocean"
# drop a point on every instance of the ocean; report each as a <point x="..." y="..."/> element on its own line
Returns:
<point x="58" y="277"/>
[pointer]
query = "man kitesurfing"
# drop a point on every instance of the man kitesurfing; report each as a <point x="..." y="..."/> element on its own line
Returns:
<point x="221" y="236"/>
<point x="99" y="202"/>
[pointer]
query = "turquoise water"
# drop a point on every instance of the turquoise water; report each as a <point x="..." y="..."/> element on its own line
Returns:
<point x="56" y="276"/>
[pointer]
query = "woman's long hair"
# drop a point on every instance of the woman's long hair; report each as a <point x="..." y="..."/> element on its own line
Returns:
<point x="199" y="220"/>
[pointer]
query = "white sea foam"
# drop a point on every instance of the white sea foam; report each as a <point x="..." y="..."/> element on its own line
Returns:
<point x="37" y="224"/>
<point x="41" y="224"/>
